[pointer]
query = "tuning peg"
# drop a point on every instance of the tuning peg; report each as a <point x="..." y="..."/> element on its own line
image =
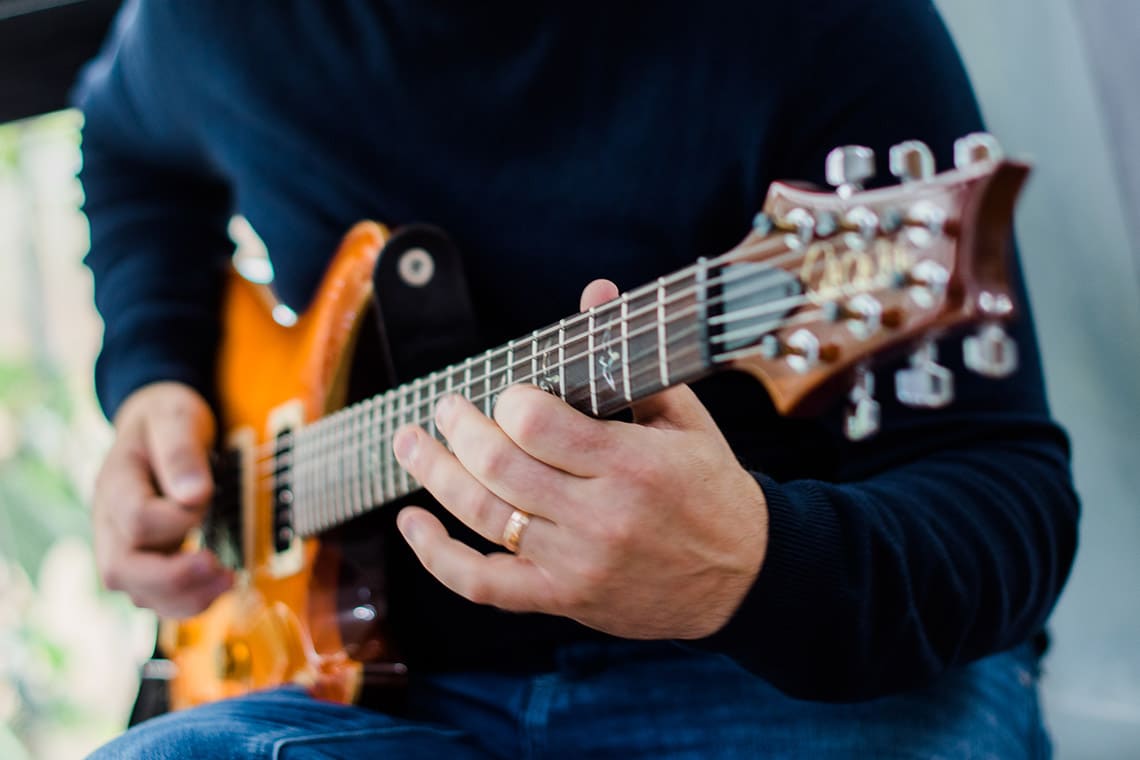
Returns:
<point x="849" y="167"/>
<point x="912" y="161"/>
<point x="975" y="149"/>
<point x="991" y="353"/>
<point x="927" y="384"/>
<point x="862" y="418"/>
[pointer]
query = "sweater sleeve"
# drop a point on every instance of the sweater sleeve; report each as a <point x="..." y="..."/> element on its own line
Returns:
<point x="157" y="212"/>
<point x="949" y="536"/>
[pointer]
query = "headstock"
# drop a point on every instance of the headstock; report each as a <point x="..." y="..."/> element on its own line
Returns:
<point x="826" y="281"/>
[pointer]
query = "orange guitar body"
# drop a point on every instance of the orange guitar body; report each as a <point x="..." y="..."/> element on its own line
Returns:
<point x="279" y="623"/>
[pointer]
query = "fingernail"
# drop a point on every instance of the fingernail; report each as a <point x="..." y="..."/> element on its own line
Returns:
<point x="410" y="528"/>
<point x="404" y="444"/>
<point x="188" y="486"/>
<point x="443" y="411"/>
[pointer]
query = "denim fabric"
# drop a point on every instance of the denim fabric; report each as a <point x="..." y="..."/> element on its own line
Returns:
<point x="631" y="700"/>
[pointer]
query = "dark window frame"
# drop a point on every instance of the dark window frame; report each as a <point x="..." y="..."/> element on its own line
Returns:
<point x="43" y="44"/>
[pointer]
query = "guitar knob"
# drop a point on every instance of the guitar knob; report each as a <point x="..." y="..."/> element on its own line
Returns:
<point x="912" y="161"/>
<point x="862" y="418"/>
<point x="975" y="149"/>
<point x="990" y="353"/>
<point x="926" y="384"/>
<point x="849" y="167"/>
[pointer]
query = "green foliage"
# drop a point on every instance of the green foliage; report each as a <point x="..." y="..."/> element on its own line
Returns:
<point x="38" y="502"/>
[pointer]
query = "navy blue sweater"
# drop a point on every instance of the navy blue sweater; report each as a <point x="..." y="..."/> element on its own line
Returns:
<point x="558" y="143"/>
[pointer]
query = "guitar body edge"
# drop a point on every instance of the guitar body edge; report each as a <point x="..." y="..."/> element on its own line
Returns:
<point x="279" y="624"/>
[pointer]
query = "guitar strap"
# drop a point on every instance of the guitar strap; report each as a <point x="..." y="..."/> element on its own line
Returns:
<point x="423" y="310"/>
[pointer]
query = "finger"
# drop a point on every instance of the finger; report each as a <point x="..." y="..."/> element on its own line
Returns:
<point x="173" y="585"/>
<point x="178" y="442"/>
<point x="555" y="433"/>
<point x="500" y="580"/>
<point x="492" y="457"/>
<point x="125" y="494"/>
<point x="676" y="408"/>
<point x="463" y="495"/>
<point x="597" y="293"/>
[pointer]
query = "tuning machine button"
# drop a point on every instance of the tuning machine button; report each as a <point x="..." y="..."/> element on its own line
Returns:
<point x="849" y="167"/>
<point x="990" y="353"/>
<point x="977" y="148"/>
<point x="802" y="350"/>
<point x="862" y="419"/>
<point x="801" y="224"/>
<point x="912" y="161"/>
<point x="926" y="384"/>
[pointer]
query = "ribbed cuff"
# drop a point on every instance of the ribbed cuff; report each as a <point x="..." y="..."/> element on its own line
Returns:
<point x="791" y="602"/>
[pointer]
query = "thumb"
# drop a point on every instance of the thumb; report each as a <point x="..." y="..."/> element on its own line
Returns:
<point x="179" y="437"/>
<point x="677" y="408"/>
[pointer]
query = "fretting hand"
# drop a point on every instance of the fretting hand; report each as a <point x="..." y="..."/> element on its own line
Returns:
<point x="649" y="530"/>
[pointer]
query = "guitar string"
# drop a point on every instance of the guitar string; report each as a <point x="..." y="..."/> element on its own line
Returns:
<point x="352" y="495"/>
<point x="342" y="441"/>
<point x="269" y="449"/>
<point x="355" y="496"/>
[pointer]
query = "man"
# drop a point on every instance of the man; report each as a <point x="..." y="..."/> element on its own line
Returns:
<point x="708" y="580"/>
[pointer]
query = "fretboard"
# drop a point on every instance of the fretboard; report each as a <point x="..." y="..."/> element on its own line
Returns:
<point x="599" y="362"/>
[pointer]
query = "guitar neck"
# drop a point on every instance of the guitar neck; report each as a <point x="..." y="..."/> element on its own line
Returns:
<point x="599" y="362"/>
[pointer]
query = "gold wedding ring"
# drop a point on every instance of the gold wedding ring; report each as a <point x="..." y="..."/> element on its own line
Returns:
<point x="512" y="534"/>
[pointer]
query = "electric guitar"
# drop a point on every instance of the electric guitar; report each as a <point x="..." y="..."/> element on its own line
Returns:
<point x="824" y="283"/>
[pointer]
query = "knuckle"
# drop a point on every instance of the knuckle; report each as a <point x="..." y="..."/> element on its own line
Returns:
<point x="181" y="579"/>
<point x="129" y="517"/>
<point x="527" y="422"/>
<point x="494" y="461"/>
<point x="476" y="589"/>
<point x="482" y="509"/>
<point x="112" y="576"/>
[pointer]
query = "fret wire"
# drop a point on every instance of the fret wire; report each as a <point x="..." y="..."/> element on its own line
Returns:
<point x="466" y="376"/>
<point x="534" y="356"/>
<point x="316" y="490"/>
<point x="591" y="359"/>
<point x="345" y="466"/>
<point x="348" y="474"/>
<point x="338" y="474"/>
<point x="431" y="398"/>
<point x="415" y="408"/>
<point x="702" y="292"/>
<point x="361" y="465"/>
<point x="662" y="352"/>
<point x="368" y="455"/>
<point x="510" y="362"/>
<point x="562" y="358"/>
<point x="405" y="483"/>
<point x="326" y="475"/>
<point x="377" y="427"/>
<point x="390" y="464"/>
<point x="625" y="347"/>
<point x="487" y="385"/>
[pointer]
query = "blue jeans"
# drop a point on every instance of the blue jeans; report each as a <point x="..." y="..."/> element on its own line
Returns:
<point x="628" y="700"/>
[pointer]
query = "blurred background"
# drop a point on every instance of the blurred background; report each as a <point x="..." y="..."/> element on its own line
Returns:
<point x="1056" y="79"/>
